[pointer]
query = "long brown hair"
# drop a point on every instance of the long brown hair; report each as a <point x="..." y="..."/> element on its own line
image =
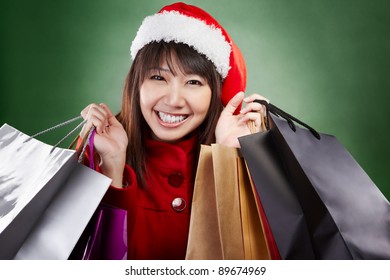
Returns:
<point x="152" y="56"/>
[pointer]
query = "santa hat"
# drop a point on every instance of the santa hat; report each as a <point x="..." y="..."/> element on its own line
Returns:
<point x="191" y="25"/>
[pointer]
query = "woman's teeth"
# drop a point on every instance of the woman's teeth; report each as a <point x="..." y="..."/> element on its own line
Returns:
<point x="170" y="118"/>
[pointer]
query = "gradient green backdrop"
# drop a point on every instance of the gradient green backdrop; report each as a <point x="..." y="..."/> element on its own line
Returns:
<point x="324" y="61"/>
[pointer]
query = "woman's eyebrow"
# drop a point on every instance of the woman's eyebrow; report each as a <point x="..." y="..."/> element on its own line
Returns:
<point x="159" y="69"/>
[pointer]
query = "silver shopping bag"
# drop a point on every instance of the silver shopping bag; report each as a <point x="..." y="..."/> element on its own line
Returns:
<point x="46" y="197"/>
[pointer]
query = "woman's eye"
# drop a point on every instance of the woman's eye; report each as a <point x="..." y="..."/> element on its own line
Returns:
<point x="157" y="78"/>
<point x="195" y="82"/>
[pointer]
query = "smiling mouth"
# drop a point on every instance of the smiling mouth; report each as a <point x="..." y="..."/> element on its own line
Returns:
<point x="171" y="119"/>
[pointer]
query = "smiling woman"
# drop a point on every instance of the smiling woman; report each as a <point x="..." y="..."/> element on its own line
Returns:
<point x="316" y="59"/>
<point x="179" y="93"/>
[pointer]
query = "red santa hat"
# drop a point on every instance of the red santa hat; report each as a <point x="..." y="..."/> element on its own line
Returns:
<point x="193" y="26"/>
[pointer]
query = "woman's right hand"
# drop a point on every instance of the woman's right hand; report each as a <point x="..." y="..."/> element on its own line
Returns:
<point x="110" y="140"/>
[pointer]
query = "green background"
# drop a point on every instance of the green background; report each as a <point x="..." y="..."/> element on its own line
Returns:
<point x="326" y="62"/>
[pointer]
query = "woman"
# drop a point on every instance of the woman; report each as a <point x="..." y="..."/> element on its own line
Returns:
<point x="184" y="88"/>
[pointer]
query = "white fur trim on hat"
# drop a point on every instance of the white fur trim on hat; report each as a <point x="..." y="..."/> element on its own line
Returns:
<point x="173" y="26"/>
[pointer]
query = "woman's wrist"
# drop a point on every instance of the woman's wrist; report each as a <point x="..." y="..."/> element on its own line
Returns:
<point x="115" y="172"/>
<point x="118" y="183"/>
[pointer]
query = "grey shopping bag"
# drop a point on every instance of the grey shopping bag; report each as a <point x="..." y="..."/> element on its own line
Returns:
<point x="347" y="216"/>
<point x="46" y="197"/>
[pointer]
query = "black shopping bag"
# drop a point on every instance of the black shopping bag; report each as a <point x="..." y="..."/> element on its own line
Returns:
<point x="346" y="214"/>
<point x="278" y="198"/>
<point x="46" y="197"/>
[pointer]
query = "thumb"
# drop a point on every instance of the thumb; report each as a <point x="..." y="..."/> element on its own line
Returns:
<point x="233" y="104"/>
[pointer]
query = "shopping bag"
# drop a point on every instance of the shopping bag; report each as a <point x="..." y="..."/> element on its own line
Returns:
<point x="203" y="238"/>
<point x="105" y="237"/>
<point x="223" y="221"/>
<point x="227" y="202"/>
<point x="258" y="239"/>
<point x="277" y="196"/>
<point x="46" y="197"/>
<point x="346" y="214"/>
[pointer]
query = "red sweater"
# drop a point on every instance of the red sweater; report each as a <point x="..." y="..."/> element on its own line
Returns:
<point x="159" y="214"/>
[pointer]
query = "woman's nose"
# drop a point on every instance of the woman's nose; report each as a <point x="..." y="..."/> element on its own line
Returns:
<point x="175" y="95"/>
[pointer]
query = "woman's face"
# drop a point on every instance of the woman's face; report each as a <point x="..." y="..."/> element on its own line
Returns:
<point x="173" y="105"/>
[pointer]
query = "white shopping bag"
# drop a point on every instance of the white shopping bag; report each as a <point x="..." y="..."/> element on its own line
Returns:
<point x="46" y="197"/>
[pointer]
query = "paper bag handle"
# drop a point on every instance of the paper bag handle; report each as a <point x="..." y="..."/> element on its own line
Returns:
<point x="289" y="118"/>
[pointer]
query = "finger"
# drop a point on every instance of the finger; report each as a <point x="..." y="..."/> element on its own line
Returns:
<point x="87" y="126"/>
<point x="254" y="122"/>
<point x="252" y="107"/>
<point x="84" y="130"/>
<point x="111" y="119"/>
<point x="252" y="116"/>
<point x="84" y="112"/>
<point x="91" y="109"/>
<point x="97" y="116"/>
<point x="255" y="96"/>
<point x="98" y="123"/>
<point x="233" y="104"/>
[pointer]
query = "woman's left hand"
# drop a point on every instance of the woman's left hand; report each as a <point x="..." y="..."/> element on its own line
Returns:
<point x="230" y="127"/>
